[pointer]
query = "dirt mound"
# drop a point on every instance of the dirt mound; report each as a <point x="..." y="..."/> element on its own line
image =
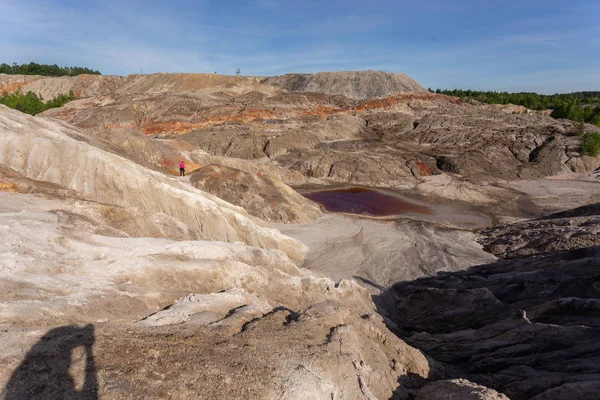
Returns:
<point x="50" y="87"/>
<point x="262" y="196"/>
<point x="161" y="83"/>
<point x="81" y="85"/>
<point x="353" y="84"/>
<point x="10" y="83"/>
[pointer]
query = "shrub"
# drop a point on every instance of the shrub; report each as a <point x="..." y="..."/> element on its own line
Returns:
<point x="591" y="144"/>
<point x="31" y="103"/>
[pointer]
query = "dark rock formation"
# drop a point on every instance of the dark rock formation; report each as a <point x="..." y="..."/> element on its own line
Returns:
<point x="459" y="389"/>
<point x="527" y="327"/>
<point x="573" y="229"/>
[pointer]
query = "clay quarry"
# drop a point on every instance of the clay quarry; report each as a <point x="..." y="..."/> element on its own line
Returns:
<point x="336" y="236"/>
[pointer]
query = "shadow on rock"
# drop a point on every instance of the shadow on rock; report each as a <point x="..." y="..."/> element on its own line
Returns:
<point x="526" y="327"/>
<point x="59" y="366"/>
<point x="408" y="385"/>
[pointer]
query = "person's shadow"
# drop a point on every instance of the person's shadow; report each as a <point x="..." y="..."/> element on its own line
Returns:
<point x="59" y="366"/>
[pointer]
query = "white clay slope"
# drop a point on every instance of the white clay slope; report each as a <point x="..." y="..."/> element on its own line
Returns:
<point x="48" y="150"/>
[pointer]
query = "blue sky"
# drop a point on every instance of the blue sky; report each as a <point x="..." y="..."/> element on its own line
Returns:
<point x="544" y="46"/>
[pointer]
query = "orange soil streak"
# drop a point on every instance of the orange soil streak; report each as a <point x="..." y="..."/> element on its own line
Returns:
<point x="176" y="127"/>
<point x="13" y="86"/>
<point x="383" y="103"/>
<point x="425" y="169"/>
<point x="8" y="187"/>
<point x="324" y="111"/>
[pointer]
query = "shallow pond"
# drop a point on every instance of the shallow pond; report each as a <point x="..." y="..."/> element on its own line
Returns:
<point x="366" y="202"/>
<point x="386" y="203"/>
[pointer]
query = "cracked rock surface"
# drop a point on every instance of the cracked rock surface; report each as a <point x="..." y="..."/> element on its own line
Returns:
<point x="528" y="326"/>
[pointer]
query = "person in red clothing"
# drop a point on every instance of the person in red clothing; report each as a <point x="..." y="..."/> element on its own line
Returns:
<point x="182" y="169"/>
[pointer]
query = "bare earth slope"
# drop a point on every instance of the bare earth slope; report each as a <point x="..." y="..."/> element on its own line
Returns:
<point x="262" y="196"/>
<point x="357" y="85"/>
<point x="46" y="150"/>
<point x="157" y="83"/>
<point x="50" y="87"/>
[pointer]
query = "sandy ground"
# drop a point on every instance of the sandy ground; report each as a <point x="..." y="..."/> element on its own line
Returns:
<point x="379" y="253"/>
<point x="561" y="192"/>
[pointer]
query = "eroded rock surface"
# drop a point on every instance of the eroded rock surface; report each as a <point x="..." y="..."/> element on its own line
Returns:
<point x="568" y="230"/>
<point x="323" y="352"/>
<point x="138" y="284"/>
<point x="526" y="327"/>
<point x="380" y="253"/>
<point x="260" y="195"/>
<point x="237" y="311"/>
<point x="345" y="134"/>
<point x="458" y="389"/>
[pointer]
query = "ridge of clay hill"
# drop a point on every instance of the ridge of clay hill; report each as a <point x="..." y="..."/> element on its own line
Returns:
<point x="358" y="85"/>
<point x="49" y="87"/>
<point x="355" y="85"/>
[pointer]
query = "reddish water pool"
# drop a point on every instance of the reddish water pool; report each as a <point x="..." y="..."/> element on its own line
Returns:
<point x="366" y="202"/>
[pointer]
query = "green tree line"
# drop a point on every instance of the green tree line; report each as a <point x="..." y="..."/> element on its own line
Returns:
<point x="33" y="104"/>
<point x="44" y="69"/>
<point x="578" y="106"/>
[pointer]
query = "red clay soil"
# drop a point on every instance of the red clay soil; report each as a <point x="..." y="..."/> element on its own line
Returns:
<point x="13" y="86"/>
<point x="424" y="169"/>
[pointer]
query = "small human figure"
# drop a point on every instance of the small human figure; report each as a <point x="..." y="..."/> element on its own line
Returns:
<point x="182" y="169"/>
